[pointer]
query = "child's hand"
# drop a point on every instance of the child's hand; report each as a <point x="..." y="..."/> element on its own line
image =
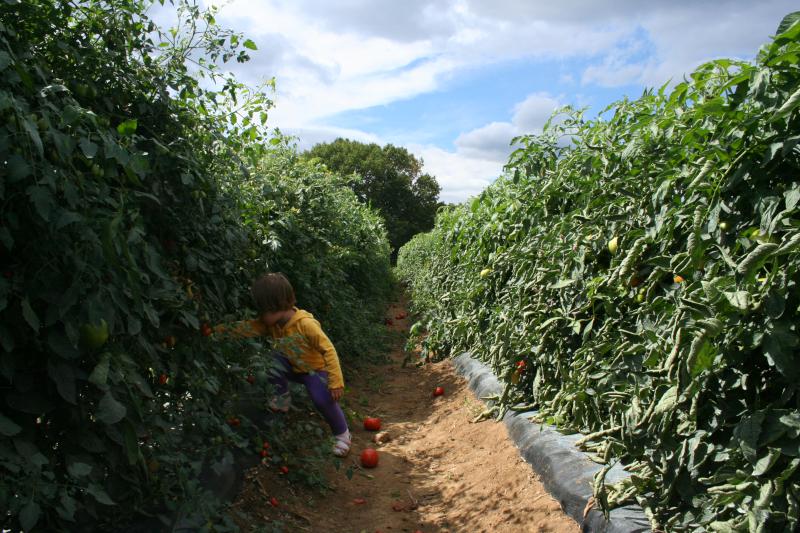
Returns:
<point x="336" y="394"/>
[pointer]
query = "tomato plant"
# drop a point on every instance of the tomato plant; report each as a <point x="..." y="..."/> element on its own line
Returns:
<point x="687" y="376"/>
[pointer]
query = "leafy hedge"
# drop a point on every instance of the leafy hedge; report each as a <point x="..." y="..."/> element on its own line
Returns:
<point x="138" y="200"/>
<point x="646" y="274"/>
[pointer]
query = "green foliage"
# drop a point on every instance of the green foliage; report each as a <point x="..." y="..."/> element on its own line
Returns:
<point x="131" y="215"/>
<point x="390" y="179"/>
<point x="676" y="353"/>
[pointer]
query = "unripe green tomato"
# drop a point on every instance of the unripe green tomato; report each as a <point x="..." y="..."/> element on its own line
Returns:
<point x="97" y="170"/>
<point x="613" y="245"/>
<point x="640" y="296"/>
<point x="723" y="226"/>
<point x="94" y="336"/>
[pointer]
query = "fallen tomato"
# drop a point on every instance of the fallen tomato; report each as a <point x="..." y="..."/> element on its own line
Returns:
<point x="251" y="379"/>
<point x="273" y="501"/>
<point x="438" y="391"/>
<point x="284" y="470"/>
<point x="372" y="424"/>
<point x="359" y="501"/>
<point x="369" y="458"/>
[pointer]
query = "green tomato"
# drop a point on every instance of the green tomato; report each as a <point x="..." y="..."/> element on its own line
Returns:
<point x="613" y="245"/>
<point x="94" y="336"/>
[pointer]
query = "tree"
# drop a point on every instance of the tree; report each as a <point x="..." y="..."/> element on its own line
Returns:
<point x="391" y="180"/>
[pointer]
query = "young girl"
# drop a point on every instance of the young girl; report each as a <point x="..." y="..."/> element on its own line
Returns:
<point x="303" y="352"/>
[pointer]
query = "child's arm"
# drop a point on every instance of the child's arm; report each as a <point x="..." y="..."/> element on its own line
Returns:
<point x="242" y="329"/>
<point x="320" y="342"/>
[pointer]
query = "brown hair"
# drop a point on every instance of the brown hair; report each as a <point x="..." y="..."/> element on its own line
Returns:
<point x="273" y="292"/>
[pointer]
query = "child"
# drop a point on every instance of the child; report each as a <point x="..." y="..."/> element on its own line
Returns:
<point x="303" y="352"/>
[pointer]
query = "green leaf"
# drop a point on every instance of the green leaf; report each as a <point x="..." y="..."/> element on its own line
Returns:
<point x="88" y="148"/>
<point x="779" y="345"/>
<point x="7" y="427"/>
<point x="100" y="494"/>
<point x="747" y="432"/>
<point x="63" y="375"/>
<point x="560" y="284"/>
<point x="109" y="410"/>
<point x="738" y="299"/>
<point x="766" y="462"/>
<point x="29" y="516"/>
<point x="42" y="200"/>
<point x="250" y="45"/>
<point x="29" y="315"/>
<point x="77" y="469"/>
<point x="99" y="375"/>
<point x="128" y="127"/>
<point x="18" y="168"/>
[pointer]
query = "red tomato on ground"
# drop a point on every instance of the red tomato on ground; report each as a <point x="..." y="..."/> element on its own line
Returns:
<point x="438" y="391"/>
<point x="372" y="424"/>
<point x="284" y="470"/>
<point x="273" y="501"/>
<point x="369" y="458"/>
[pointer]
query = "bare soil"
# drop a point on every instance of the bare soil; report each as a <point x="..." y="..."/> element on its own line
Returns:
<point x="439" y="472"/>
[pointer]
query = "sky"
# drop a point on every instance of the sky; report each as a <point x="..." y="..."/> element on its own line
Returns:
<point x="453" y="81"/>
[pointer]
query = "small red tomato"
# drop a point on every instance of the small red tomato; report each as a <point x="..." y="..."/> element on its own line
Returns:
<point x="520" y="366"/>
<point x="438" y="391"/>
<point x="205" y="330"/>
<point x="273" y="501"/>
<point x="162" y="379"/>
<point x="265" y="446"/>
<point x="359" y="501"/>
<point x="264" y="453"/>
<point x="284" y="470"/>
<point x="369" y="458"/>
<point x="251" y="379"/>
<point x="372" y="424"/>
<point x="233" y="421"/>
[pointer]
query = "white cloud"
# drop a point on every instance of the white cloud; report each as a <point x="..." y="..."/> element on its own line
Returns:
<point x="333" y="57"/>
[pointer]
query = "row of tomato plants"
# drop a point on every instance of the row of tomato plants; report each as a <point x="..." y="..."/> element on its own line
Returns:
<point x="138" y="201"/>
<point x="633" y="277"/>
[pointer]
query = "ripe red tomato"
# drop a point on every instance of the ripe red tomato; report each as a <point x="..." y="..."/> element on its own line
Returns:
<point x="162" y="379"/>
<point x="372" y="424"/>
<point x="520" y="366"/>
<point x="388" y="322"/>
<point x="265" y="445"/>
<point x="273" y="501"/>
<point x="205" y="329"/>
<point x="264" y="453"/>
<point x="438" y="391"/>
<point x="284" y="470"/>
<point x="251" y="379"/>
<point x="369" y="458"/>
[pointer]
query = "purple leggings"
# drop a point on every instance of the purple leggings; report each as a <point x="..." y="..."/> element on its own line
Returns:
<point x="317" y="386"/>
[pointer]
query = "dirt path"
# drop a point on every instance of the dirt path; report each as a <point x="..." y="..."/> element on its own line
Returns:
<point x="438" y="473"/>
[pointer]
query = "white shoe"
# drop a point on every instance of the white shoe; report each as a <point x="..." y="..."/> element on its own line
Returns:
<point x="341" y="444"/>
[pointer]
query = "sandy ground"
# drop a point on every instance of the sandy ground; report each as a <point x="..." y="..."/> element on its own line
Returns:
<point x="439" y="472"/>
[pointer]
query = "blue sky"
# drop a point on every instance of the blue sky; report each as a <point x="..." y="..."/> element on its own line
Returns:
<point x="455" y="80"/>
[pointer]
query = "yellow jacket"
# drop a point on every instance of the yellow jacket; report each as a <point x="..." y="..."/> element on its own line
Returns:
<point x="301" y="340"/>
